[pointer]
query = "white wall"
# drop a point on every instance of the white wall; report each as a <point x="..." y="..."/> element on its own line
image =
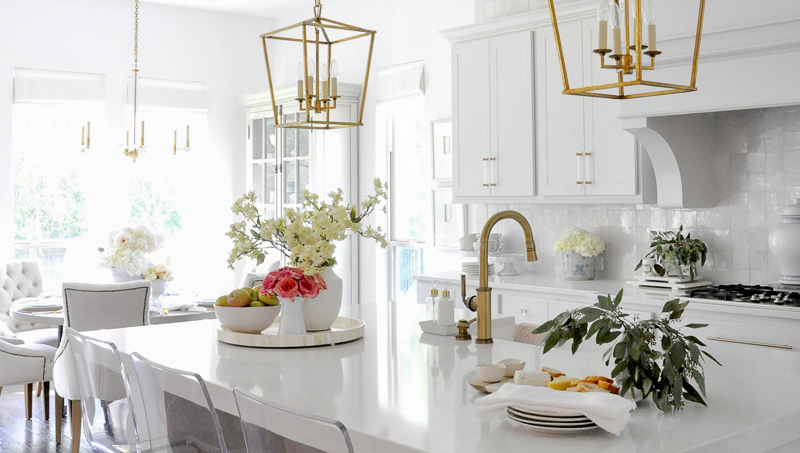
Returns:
<point x="407" y="31"/>
<point x="96" y="36"/>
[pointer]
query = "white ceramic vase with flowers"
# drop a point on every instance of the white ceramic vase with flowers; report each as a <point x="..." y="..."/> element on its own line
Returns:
<point x="307" y="237"/>
<point x="127" y="250"/>
<point x="581" y="252"/>
<point x="293" y="287"/>
<point x="158" y="276"/>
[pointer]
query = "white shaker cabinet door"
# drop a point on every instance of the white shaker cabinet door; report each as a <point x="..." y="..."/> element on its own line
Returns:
<point x="560" y="141"/>
<point x="512" y="128"/>
<point x="471" y="133"/>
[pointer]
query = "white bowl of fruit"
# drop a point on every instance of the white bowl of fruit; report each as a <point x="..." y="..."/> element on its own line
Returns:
<point x="245" y="310"/>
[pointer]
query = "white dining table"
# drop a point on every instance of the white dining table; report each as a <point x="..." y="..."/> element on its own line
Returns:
<point x="400" y="390"/>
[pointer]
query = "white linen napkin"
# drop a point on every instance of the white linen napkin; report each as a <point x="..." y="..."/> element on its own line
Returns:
<point x="608" y="411"/>
<point x="174" y="303"/>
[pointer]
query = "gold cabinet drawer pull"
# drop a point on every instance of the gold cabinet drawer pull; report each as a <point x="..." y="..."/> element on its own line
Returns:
<point x="754" y="343"/>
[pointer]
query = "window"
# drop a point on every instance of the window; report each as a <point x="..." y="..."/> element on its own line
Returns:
<point x="404" y="129"/>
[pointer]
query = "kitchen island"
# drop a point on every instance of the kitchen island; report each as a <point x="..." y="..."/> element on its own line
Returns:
<point x="399" y="390"/>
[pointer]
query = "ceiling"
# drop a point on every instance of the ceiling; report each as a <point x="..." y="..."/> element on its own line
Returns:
<point x="262" y="8"/>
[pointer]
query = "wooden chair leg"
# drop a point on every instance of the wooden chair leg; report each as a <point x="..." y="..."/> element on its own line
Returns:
<point x="75" y="424"/>
<point x="38" y="389"/>
<point x="46" y="400"/>
<point x="59" y="416"/>
<point x="1" y="390"/>
<point x="28" y="400"/>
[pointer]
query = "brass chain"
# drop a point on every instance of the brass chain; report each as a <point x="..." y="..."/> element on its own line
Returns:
<point x="136" y="33"/>
<point x="317" y="8"/>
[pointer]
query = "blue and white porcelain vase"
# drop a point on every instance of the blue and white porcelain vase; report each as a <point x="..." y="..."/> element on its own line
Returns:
<point x="578" y="267"/>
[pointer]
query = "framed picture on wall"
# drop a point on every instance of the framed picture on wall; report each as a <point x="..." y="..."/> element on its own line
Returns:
<point x="448" y="218"/>
<point x="442" y="133"/>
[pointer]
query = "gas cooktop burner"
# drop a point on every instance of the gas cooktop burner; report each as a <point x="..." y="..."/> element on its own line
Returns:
<point x="748" y="293"/>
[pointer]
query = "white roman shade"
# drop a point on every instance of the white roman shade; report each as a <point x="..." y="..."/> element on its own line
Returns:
<point x="170" y="93"/>
<point x="401" y="80"/>
<point x="41" y="86"/>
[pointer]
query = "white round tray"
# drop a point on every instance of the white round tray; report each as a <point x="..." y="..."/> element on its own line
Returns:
<point x="343" y="330"/>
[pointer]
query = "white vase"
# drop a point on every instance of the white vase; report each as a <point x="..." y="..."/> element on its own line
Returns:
<point x="158" y="287"/>
<point x="321" y="311"/>
<point x="578" y="267"/>
<point x="292" y="322"/>
<point x="120" y="276"/>
<point x="784" y="244"/>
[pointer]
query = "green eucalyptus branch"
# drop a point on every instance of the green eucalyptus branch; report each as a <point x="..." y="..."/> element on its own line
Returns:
<point x="652" y="355"/>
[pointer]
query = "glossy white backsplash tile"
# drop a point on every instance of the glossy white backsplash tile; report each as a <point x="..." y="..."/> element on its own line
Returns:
<point x="757" y="173"/>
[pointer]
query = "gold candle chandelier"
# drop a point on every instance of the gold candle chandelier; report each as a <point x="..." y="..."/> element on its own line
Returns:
<point x="138" y="148"/>
<point x="317" y="73"/>
<point x="629" y="56"/>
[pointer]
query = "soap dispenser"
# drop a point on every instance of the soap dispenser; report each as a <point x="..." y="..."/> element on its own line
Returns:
<point x="430" y="304"/>
<point x="445" y="309"/>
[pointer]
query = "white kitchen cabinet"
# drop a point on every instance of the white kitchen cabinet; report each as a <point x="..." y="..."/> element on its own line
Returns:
<point x="493" y="129"/>
<point x="524" y="309"/>
<point x="281" y="163"/>
<point x="582" y="151"/>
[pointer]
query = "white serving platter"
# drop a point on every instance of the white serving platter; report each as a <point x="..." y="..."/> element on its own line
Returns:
<point x="343" y="330"/>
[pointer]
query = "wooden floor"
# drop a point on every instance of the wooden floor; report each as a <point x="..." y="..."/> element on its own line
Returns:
<point x="36" y="435"/>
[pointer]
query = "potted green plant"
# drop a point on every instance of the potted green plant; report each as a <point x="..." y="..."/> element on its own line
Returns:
<point x="675" y="252"/>
<point x="664" y="374"/>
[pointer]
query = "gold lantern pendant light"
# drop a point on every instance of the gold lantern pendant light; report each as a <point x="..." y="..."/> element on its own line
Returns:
<point x="138" y="148"/>
<point x="629" y="66"/>
<point x="317" y="81"/>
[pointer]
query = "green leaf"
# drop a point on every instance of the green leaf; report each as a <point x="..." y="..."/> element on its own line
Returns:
<point x="619" y="350"/>
<point x="695" y="325"/>
<point x="260" y="259"/>
<point x="621" y="365"/>
<point x="676" y="314"/>
<point x="711" y="357"/>
<point x="677" y="355"/>
<point x="590" y="314"/>
<point x="544" y="327"/>
<point x="618" y="299"/>
<point x="701" y="382"/>
<point x="670" y="305"/>
<point x="550" y="342"/>
<point x="665" y="342"/>
<point x="647" y="385"/>
<point x="604" y="332"/>
<point x="692" y="395"/>
<point x="612" y="336"/>
<point x="695" y="340"/>
<point x="576" y="342"/>
<point x="635" y="350"/>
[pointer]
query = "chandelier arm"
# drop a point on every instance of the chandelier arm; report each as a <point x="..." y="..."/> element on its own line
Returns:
<point x="344" y="26"/>
<point x="638" y="39"/>
<point x="560" y="51"/>
<point x="305" y="66"/>
<point x="697" y="43"/>
<point x="269" y="77"/>
<point x="366" y="79"/>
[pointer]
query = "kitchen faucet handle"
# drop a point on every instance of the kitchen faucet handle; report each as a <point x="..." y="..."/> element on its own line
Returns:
<point x="463" y="329"/>
<point x="470" y="302"/>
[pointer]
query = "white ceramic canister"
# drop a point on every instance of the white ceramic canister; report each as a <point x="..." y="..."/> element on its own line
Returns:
<point x="784" y="244"/>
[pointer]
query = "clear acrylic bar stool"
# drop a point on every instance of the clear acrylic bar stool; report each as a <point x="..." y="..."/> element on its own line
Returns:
<point x="178" y="409"/>
<point x="268" y="426"/>
<point x="108" y="417"/>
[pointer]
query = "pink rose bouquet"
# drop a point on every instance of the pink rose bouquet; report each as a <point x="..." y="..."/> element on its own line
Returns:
<point x="290" y="282"/>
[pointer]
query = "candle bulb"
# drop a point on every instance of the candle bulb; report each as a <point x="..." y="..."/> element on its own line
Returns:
<point x="333" y="82"/>
<point x="83" y="135"/>
<point x="603" y="11"/>
<point x="127" y="139"/>
<point x="323" y="78"/>
<point x="88" y="134"/>
<point x="615" y="26"/>
<point x="300" y="77"/>
<point x="310" y="67"/>
<point x="187" y="137"/>
<point x="142" y="142"/>
<point x="175" y="143"/>
<point x="650" y="20"/>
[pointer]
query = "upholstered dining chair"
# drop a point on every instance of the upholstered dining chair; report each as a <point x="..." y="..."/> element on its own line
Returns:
<point x="25" y="364"/>
<point x="92" y="307"/>
<point x="21" y="280"/>
<point x="178" y="409"/>
<point x="108" y="415"/>
<point x="269" y="427"/>
<point x="256" y="276"/>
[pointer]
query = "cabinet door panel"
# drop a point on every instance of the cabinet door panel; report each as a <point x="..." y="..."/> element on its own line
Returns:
<point x="524" y="309"/>
<point x="561" y="120"/>
<point x="512" y="128"/>
<point x="470" y="117"/>
<point x="611" y="168"/>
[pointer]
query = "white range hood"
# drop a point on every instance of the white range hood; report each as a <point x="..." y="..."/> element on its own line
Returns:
<point x="742" y="66"/>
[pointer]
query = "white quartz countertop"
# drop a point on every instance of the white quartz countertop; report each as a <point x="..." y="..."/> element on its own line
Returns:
<point x="399" y="390"/>
<point x="541" y="286"/>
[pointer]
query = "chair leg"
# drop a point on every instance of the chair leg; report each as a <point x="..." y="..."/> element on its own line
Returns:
<point x="1" y="390"/>
<point x="38" y="389"/>
<point x="59" y="416"/>
<point x="28" y="400"/>
<point x="75" y="424"/>
<point x="46" y="400"/>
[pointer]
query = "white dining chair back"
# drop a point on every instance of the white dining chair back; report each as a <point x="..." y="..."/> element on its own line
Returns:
<point x="109" y="419"/>
<point x="25" y="364"/>
<point x="268" y="426"/>
<point x="90" y="306"/>
<point x="178" y="409"/>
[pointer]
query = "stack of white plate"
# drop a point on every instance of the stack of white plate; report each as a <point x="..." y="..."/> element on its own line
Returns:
<point x="48" y="304"/>
<point x="550" y="422"/>
<point x="472" y="267"/>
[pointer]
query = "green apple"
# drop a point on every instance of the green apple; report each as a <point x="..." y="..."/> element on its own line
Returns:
<point x="222" y="301"/>
<point x="256" y="303"/>
<point x="239" y="298"/>
<point x="269" y="300"/>
<point x="250" y="292"/>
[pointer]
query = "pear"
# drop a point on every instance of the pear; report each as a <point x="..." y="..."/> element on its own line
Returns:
<point x="249" y="291"/>
<point x="239" y="298"/>
<point x="222" y="301"/>
<point x="256" y="303"/>
<point x="269" y="300"/>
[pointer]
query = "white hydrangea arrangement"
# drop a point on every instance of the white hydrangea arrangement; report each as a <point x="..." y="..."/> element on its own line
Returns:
<point x="128" y="248"/>
<point x="580" y="241"/>
<point x="158" y="271"/>
<point x="306" y="237"/>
